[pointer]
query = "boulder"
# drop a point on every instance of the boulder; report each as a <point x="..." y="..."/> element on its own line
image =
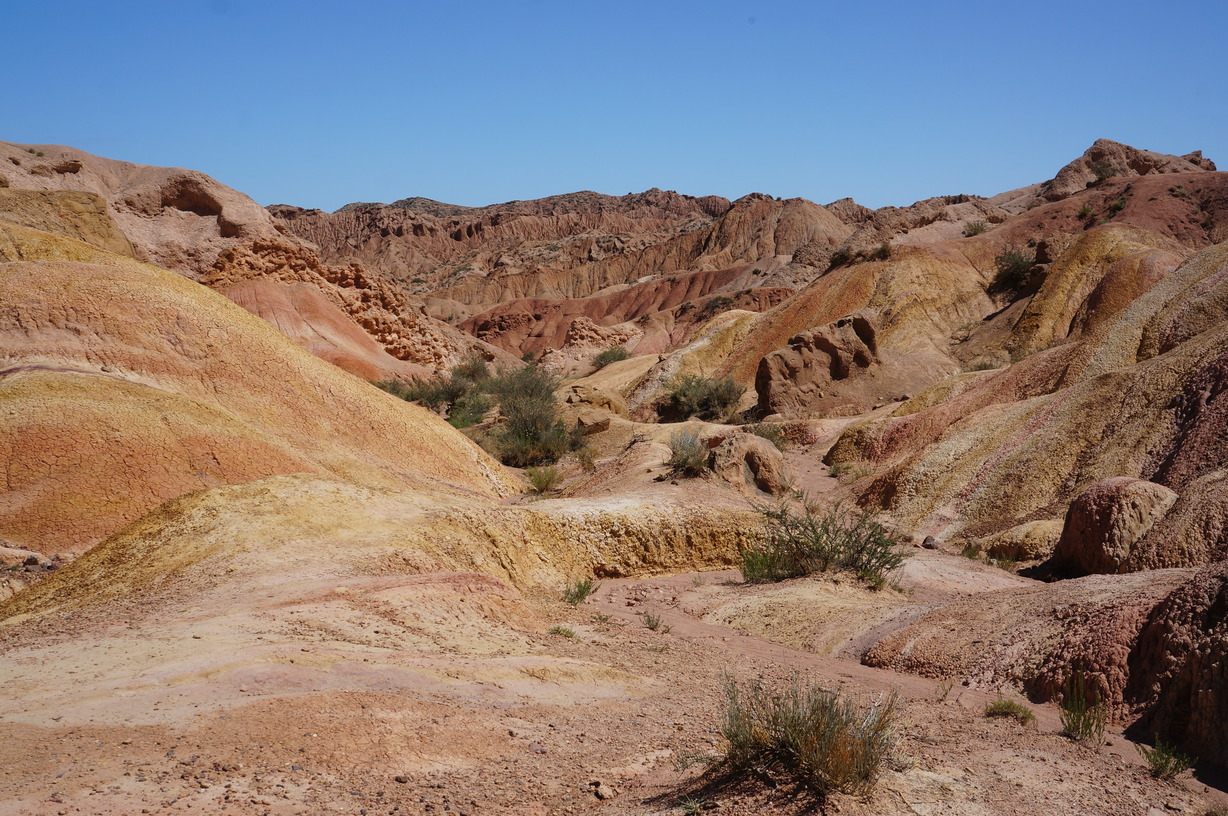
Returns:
<point x="752" y="464"/>
<point x="591" y="422"/>
<point x="1105" y="521"/>
<point x="1029" y="541"/>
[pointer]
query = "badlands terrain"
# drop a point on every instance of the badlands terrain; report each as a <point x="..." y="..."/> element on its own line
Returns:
<point x="240" y="578"/>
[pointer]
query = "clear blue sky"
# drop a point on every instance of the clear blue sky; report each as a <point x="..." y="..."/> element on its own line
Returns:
<point x="323" y="103"/>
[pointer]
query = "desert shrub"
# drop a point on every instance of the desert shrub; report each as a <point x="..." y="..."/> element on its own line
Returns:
<point x="984" y="364"/>
<point x="532" y="433"/>
<point x="1116" y="207"/>
<point x="1164" y="760"/>
<point x="1003" y="707"/>
<point x="772" y="433"/>
<point x="974" y="227"/>
<point x="808" y="540"/>
<point x="469" y="409"/>
<point x="883" y="253"/>
<point x="565" y="631"/>
<point x="1085" y="211"/>
<point x="653" y="623"/>
<point x="1103" y="170"/>
<point x="703" y="397"/>
<point x="577" y="592"/>
<point x="544" y="478"/>
<point x="528" y="383"/>
<point x="1083" y="717"/>
<point x="472" y="368"/>
<point x="610" y="355"/>
<point x="394" y="387"/>
<point x="841" y="257"/>
<point x="828" y="741"/>
<point x="688" y="456"/>
<point x="1013" y="266"/>
<point x="714" y="306"/>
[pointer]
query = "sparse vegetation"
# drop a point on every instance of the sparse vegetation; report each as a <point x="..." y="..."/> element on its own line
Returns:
<point x="1085" y="211"/>
<point x="971" y="550"/>
<point x="543" y="478"/>
<point x="565" y="631"/>
<point x="653" y="623"/>
<point x="1103" y="170"/>
<point x="842" y="256"/>
<point x="826" y="740"/>
<point x="1083" y="716"/>
<point x="806" y="540"/>
<point x="688" y="456"/>
<point x="1116" y="207"/>
<point x="1013" y="266"/>
<point x="714" y="306"/>
<point x="772" y="433"/>
<point x="883" y="253"/>
<point x="610" y="355"/>
<point x="1003" y="707"/>
<point x="1164" y="760"/>
<point x="704" y="397"/>
<point x="984" y="364"/>
<point x="974" y="227"/>
<point x="577" y="592"/>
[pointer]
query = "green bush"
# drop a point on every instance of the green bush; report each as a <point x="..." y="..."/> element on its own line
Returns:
<point x="974" y="227"/>
<point x="577" y="592"/>
<point x="565" y="631"/>
<point x="1164" y="760"/>
<point x="532" y="432"/>
<point x="544" y="478"/>
<point x="703" y="397"/>
<point x="688" y="455"/>
<point x="1013" y="266"/>
<point x="654" y="624"/>
<point x="1083" y="717"/>
<point x="883" y="253"/>
<point x="1003" y="707"/>
<point x="1085" y="211"/>
<point x="801" y="542"/>
<point x="610" y="355"/>
<point x="469" y="409"/>
<point x="824" y="739"/>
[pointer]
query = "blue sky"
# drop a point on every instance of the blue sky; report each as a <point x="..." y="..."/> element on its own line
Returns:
<point x="323" y="103"/>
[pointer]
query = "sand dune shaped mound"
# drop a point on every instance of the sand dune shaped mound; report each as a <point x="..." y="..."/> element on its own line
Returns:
<point x="126" y="385"/>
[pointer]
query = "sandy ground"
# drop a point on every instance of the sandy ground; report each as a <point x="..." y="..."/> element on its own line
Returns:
<point x="158" y="710"/>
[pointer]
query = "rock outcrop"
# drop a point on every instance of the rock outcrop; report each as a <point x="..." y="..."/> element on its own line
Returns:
<point x="752" y="464"/>
<point x="1179" y="670"/>
<point x="1108" y="159"/>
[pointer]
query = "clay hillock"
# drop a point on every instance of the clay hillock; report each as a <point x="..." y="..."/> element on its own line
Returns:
<point x="189" y="223"/>
<point x="128" y="385"/>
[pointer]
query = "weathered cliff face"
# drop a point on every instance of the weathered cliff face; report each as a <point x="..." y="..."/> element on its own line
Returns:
<point x="569" y="246"/>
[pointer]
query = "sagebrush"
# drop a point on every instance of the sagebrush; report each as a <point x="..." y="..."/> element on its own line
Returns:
<point x="688" y="456"/>
<point x="803" y="538"/>
<point x="1164" y="760"/>
<point x="825" y="739"/>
